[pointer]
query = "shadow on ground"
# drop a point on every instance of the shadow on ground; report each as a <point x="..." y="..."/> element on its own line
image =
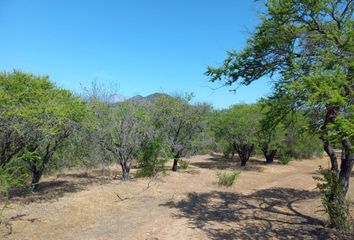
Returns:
<point x="221" y="163"/>
<point x="51" y="190"/>
<point x="265" y="214"/>
<point x="6" y="224"/>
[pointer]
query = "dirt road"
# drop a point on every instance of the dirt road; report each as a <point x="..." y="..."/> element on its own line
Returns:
<point x="266" y="202"/>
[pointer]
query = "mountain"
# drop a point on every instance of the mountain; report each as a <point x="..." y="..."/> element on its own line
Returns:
<point x="115" y="98"/>
<point x="148" y="99"/>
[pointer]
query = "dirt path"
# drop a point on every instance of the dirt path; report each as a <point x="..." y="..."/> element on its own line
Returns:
<point x="266" y="202"/>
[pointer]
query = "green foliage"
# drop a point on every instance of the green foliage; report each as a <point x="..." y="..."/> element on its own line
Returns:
<point x="203" y="142"/>
<point x="235" y="129"/>
<point x="305" y="147"/>
<point x="299" y="142"/>
<point x="242" y="123"/>
<point x="330" y="188"/>
<point x="308" y="48"/>
<point x="12" y="175"/>
<point x="152" y="158"/>
<point x="180" y="123"/>
<point x="226" y="178"/>
<point x="283" y="157"/>
<point x="183" y="163"/>
<point x="227" y="149"/>
<point x="36" y="117"/>
<point x="124" y="133"/>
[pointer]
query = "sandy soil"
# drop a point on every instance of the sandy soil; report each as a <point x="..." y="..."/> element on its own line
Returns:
<point x="266" y="202"/>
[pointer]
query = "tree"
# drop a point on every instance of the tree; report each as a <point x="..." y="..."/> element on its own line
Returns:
<point x="179" y="123"/>
<point x="65" y="113"/>
<point x="36" y="118"/>
<point x="124" y="134"/>
<point x="238" y="127"/>
<point x="19" y="119"/>
<point x="270" y="139"/>
<point x="308" y="46"/>
<point x="289" y="135"/>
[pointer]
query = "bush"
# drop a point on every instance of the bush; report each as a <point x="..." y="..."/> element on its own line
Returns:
<point x="330" y="189"/>
<point x="183" y="164"/>
<point x="227" y="179"/>
<point x="152" y="159"/>
<point x="284" y="158"/>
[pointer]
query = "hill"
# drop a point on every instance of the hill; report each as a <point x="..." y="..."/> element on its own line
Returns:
<point x="148" y="99"/>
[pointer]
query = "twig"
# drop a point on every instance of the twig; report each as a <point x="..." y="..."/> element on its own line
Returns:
<point x="147" y="187"/>
<point x="122" y="199"/>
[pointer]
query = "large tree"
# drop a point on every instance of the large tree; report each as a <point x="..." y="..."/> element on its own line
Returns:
<point x="237" y="128"/>
<point x="270" y="138"/>
<point x="180" y="123"/>
<point x="36" y="118"/>
<point x="308" y="48"/>
<point x="123" y="133"/>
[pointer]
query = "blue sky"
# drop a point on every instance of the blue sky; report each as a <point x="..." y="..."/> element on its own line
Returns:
<point x="140" y="46"/>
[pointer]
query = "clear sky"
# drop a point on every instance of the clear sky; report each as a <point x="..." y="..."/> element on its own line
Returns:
<point x="143" y="46"/>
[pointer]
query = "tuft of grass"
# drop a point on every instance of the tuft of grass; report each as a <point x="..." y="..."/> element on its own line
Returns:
<point x="183" y="164"/>
<point x="227" y="178"/>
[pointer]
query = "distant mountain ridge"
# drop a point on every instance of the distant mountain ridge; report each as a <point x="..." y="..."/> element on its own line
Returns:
<point x="148" y="99"/>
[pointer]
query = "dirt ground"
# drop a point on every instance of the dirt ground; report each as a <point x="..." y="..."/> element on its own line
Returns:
<point x="266" y="202"/>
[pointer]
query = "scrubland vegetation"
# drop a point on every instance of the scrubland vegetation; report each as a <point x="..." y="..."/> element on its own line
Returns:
<point x="307" y="46"/>
<point x="46" y="128"/>
<point x="227" y="179"/>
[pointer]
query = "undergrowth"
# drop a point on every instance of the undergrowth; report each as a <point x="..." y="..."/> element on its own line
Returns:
<point x="334" y="206"/>
<point x="226" y="178"/>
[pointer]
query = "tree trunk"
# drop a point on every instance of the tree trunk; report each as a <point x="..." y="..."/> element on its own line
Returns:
<point x="332" y="156"/>
<point x="244" y="152"/>
<point x="175" y="161"/>
<point x="346" y="167"/>
<point x="125" y="170"/>
<point x="36" y="171"/>
<point x="243" y="158"/>
<point x="36" y="174"/>
<point x="269" y="154"/>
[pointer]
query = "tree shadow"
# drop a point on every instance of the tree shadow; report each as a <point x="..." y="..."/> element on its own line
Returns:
<point x="215" y="165"/>
<point x="190" y="171"/>
<point x="6" y="224"/>
<point x="222" y="163"/>
<point x="216" y="162"/>
<point x="253" y="168"/>
<point x="76" y="175"/>
<point x="52" y="190"/>
<point x="265" y="214"/>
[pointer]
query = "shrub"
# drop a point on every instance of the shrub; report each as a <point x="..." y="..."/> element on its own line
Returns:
<point x="330" y="189"/>
<point x="152" y="159"/>
<point x="227" y="179"/>
<point x="183" y="164"/>
<point x="284" y="158"/>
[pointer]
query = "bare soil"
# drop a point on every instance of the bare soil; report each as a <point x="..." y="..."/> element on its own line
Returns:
<point x="265" y="202"/>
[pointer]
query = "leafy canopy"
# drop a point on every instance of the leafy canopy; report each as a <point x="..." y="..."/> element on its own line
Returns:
<point x="307" y="46"/>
